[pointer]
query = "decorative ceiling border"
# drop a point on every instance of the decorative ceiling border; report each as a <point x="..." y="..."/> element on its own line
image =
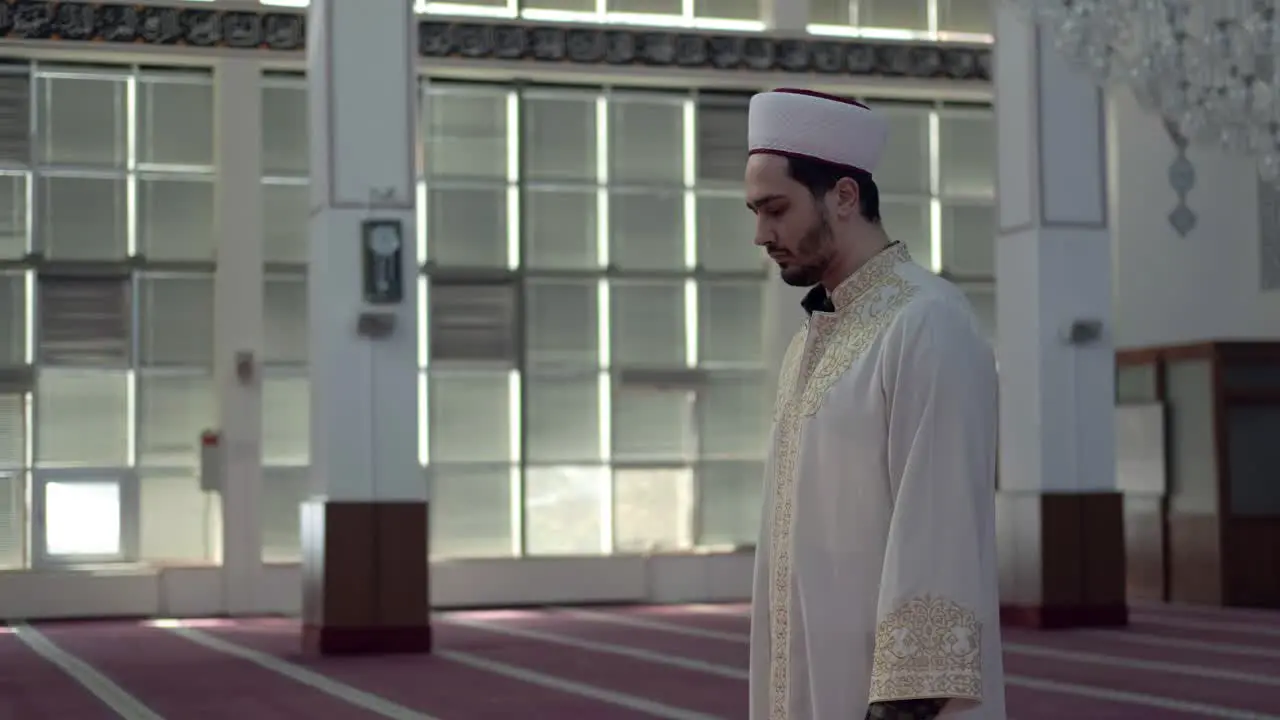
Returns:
<point x="690" y="50"/>
<point x="154" y="25"/>
<point x="605" y="46"/>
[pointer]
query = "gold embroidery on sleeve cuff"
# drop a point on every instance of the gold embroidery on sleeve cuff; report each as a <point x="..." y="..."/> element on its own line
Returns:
<point x="927" y="647"/>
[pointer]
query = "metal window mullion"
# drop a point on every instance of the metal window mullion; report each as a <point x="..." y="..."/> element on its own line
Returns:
<point x="28" y="452"/>
<point x="604" y="376"/>
<point x="134" y="289"/>
<point x="518" y="464"/>
<point x="520" y="499"/>
<point x="31" y="292"/>
<point x="33" y="518"/>
<point x="689" y="168"/>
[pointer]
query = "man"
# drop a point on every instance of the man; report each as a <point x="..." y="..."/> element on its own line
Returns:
<point x="875" y="587"/>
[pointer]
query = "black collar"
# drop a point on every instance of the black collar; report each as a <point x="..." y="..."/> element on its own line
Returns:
<point x="817" y="300"/>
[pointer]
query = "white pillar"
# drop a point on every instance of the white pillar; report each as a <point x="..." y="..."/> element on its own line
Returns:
<point x="786" y="16"/>
<point x="1053" y="268"/>
<point x="370" y="492"/>
<point x="238" y="322"/>
<point x="364" y="398"/>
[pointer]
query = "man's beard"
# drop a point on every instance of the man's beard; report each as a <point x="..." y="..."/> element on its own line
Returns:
<point x="812" y="256"/>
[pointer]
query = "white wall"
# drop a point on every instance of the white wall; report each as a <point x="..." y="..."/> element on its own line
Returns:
<point x="196" y="592"/>
<point x="1172" y="289"/>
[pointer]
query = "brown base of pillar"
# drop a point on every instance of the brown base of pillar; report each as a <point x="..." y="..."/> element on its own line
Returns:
<point x="1070" y="557"/>
<point x="365" y="640"/>
<point x="1061" y="618"/>
<point x="364" y="577"/>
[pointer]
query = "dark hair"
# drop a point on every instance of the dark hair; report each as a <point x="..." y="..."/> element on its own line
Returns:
<point x="821" y="177"/>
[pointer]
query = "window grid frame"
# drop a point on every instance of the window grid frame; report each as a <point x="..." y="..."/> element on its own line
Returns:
<point x="693" y="274"/>
<point x="133" y="267"/>
<point x="604" y="273"/>
<point x="520" y="273"/>
<point x="689" y="17"/>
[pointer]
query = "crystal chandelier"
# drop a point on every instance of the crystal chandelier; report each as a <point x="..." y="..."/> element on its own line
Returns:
<point x="1207" y="66"/>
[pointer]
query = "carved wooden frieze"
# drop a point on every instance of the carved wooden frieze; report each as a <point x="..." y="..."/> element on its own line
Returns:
<point x="609" y="46"/>
<point x="119" y="23"/>
<point x="687" y="49"/>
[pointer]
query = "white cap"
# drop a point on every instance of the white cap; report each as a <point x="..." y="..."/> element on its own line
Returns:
<point x="813" y="125"/>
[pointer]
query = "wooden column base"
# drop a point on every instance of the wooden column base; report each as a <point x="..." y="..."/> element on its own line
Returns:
<point x="322" y="640"/>
<point x="364" y="576"/>
<point x="1069" y="567"/>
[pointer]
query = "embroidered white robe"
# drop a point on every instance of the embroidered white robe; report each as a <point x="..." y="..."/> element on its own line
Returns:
<point x="876" y="574"/>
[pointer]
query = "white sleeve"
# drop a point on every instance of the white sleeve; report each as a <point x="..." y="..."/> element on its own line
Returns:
<point x="940" y="389"/>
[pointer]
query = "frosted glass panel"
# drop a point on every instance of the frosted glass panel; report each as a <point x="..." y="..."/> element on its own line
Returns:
<point x="646" y="141"/>
<point x="561" y="323"/>
<point x="733" y="415"/>
<point x="471" y="511"/>
<point x="648" y="324"/>
<point x="82" y="518"/>
<point x="652" y="509"/>
<point x="731" y="323"/>
<point x="564" y="510"/>
<point x="470" y="416"/>
<point x="560" y="137"/>
<point x="651" y="424"/>
<point x="729" y="502"/>
<point x="563" y="419"/>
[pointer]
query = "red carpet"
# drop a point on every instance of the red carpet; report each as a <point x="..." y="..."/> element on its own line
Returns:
<point x="33" y="688"/>
<point x="178" y="679"/>
<point x="681" y="663"/>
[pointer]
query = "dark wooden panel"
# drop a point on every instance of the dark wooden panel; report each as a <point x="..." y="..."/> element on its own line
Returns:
<point x="1062" y="559"/>
<point x="350" y="572"/>
<point x="1103" y="542"/>
<point x="1081" y="563"/>
<point x="403" y="597"/>
<point x="1252" y="567"/>
<point x="1142" y="356"/>
<point x="365" y="567"/>
<point x="1212" y="556"/>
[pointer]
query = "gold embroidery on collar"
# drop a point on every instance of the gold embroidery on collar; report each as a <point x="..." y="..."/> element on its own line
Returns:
<point x="870" y="275"/>
<point x="856" y="329"/>
<point x="790" y="369"/>
<point x="929" y="647"/>
<point x="816" y="359"/>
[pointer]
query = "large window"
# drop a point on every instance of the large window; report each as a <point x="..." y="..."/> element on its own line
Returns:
<point x="721" y="14"/>
<point x="592" y="365"/>
<point x="106" y="334"/>
<point x="934" y="19"/>
<point x="575" y="241"/>
<point x="285" y="391"/>
<point x="964" y="200"/>
<point x="944" y="19"/>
